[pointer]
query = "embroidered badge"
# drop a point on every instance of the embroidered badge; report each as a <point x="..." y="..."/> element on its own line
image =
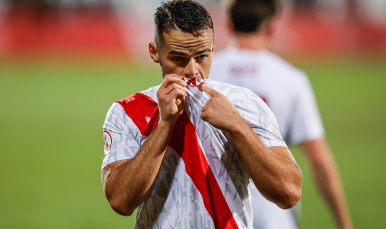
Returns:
<point x="108" y="140"/>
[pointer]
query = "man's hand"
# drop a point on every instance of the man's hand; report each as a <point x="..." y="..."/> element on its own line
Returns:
<point x="128" y="183"/>
<point x="220" y="112"/>
<point x="170" y="96"/>
<point x="274" y="171"/>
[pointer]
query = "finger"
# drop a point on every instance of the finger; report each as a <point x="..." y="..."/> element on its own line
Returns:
<point x="177" y="93"/>
<point x="204" y="116"/>
<point x="171" y="75"/>
<point x="165" y="91"/>
<point x="172" y="78"/>
<point x="209" y="90"/>
<point x="173" y="87"/>
<point x="178" y="101"/>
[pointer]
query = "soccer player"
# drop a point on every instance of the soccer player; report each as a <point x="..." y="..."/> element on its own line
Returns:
<point x="183" y="166"/>
<point x="287" y="91"/>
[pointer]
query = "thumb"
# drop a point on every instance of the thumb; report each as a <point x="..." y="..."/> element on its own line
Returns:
<point x="209" y="90"/>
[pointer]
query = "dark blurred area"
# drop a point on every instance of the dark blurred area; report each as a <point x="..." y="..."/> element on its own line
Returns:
<point x="123" y="28"/>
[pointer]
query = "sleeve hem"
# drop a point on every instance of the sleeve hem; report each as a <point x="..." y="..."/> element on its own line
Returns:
<point x="308" y="138"/>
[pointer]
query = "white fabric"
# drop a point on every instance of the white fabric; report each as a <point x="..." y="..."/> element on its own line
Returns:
<point x="175" y="201"/>
<point x="289" y="94"/>
<point x="267" y="215"/>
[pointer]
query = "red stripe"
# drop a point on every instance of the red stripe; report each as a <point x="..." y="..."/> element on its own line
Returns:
<point x="137" y="107"/>
<point x="199" y="171"/>
<point x="153" y="122"/>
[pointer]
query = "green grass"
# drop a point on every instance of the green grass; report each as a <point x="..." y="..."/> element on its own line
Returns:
<point x="51" y="120"/>
<point x="352" y="101"/>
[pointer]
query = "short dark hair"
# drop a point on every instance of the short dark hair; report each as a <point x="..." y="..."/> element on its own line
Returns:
<point x="184" y="15"/>
<point x="248" y="15"/>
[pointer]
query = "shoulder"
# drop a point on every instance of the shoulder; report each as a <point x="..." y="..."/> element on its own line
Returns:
<point x="143" y="99"/>
<point x="136" y="102"/>
<point x="253" y="110"/>
<point x="152" y="92"/>
<point x="282" y="68"/>
<point x="137" y="109"/>
<point x="229" y="90"/>
<point x="239" y="96"/>
<point x="226" y="88"/>
<point x="146" y="99"/>
<point x="223" y="88"/>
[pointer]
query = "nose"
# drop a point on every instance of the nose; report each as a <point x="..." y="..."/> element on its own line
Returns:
<point x="191" y="70"/>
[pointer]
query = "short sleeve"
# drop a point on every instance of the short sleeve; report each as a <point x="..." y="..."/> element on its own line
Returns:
<point x="254" y="111"/>
<point x="119" y="136"/>
<point x="261" y="119"/>
<point x="306" y="123"/>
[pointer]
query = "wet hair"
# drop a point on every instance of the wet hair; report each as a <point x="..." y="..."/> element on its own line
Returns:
<point x="248" y="15"/>
<point x="181" y="15"/>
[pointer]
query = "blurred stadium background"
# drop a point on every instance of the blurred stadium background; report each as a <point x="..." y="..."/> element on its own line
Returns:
<point x="63" y="63"/>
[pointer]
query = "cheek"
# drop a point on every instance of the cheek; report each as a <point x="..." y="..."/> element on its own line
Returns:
<point x="169" y="67"/>
<point x="205" y="68"/>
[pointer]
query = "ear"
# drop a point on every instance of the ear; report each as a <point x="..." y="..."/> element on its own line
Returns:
<point x="153" y="52"/>
<point x="214" y="42"/>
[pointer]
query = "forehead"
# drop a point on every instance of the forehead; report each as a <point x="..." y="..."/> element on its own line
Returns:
<point x="184" y="41"/>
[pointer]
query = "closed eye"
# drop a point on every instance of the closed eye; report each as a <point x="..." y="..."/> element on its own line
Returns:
<point x="178" y="58"/>
<point x="201" y="57"/>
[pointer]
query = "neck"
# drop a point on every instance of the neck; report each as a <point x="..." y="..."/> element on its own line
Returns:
<point x="252" y="41"/>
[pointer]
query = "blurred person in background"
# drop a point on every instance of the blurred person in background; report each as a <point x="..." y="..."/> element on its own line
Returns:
<point x="288" y="92"/>
<point x="164" y="160"/>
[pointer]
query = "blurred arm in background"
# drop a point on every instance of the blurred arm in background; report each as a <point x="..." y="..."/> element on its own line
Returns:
<point x="327" y="178"/>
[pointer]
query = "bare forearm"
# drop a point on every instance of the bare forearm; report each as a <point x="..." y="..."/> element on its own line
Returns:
<point x="131" y="182"/>
<point x="127" y="183"/>
<point x="273" y="170"/>
<point x="328" y="180"/>
<point x="276" y="175"/>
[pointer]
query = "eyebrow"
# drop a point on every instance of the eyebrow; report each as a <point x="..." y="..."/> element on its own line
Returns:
<point x="203" y="51"/>
<point x="179" y="53"/>
<point x="186" y="54"/>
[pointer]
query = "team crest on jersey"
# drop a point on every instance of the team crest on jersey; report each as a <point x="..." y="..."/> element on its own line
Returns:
<point x="108" y="140"/>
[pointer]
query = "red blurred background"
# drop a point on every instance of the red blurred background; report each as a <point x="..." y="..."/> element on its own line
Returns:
<point x="123" y="28"/>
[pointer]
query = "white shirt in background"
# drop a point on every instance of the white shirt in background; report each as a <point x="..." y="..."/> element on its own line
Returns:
<point x="288" y="93"/>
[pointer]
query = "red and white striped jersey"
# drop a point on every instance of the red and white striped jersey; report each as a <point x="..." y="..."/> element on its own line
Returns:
<point x="202" y="181"/>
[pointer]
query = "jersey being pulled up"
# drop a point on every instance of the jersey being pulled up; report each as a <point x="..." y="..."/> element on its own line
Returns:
<point x="288" y="93"/>
<point x="202" y="181"/>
